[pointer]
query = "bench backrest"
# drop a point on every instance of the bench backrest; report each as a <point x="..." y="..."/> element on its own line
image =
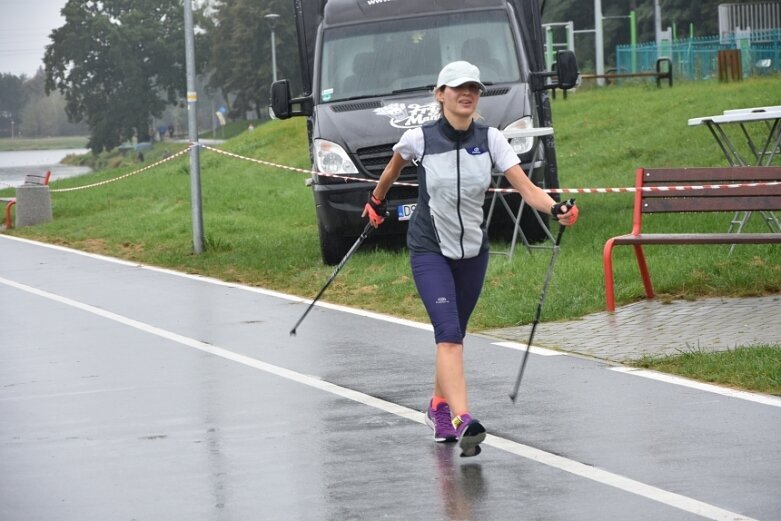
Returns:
<point x="744" y="198"/>
<point x="37" y="179"/>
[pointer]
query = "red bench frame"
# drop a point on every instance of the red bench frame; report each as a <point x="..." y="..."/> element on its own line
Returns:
<point x="748" y="199"/>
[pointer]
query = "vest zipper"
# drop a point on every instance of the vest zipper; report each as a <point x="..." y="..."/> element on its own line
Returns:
<point x="458" y="193"/>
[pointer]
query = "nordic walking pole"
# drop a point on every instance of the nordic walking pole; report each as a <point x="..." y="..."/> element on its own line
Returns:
<point x="365" y="233"/>
<point x="514" y="394"/>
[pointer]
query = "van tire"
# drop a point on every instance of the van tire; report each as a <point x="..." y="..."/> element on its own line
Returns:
<point x="333" y="247"/>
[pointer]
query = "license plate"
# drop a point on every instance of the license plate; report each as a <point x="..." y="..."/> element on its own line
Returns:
<point x="404" y="211"/>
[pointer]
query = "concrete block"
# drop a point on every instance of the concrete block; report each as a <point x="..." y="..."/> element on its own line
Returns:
<point x="33" y="205"/>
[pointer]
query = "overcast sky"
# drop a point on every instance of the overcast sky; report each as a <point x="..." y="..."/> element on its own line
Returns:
<point x="25" y="26"/>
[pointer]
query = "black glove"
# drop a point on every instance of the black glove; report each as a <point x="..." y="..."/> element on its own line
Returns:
<point x="564" y="207"/>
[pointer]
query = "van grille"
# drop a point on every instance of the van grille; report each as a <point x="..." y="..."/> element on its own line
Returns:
<point x="374" y="159"/>
<point x="349" y="107"/>
<point x="499" y="91"/>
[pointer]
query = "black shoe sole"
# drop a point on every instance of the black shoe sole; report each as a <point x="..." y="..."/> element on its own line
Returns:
<point x="470" y="441"/>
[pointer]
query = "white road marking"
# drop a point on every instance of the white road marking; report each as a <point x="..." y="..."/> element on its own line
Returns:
<point x="576" y="468"/>
<point x="764" y="399"/>
<point x="534" y="350"/>
<point x="218" y="282"/>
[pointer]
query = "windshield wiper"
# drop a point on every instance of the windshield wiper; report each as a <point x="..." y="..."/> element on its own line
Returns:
<point x="429" y="88"/>
<point x="413" y="89"/>
<point x="353" y="98"/>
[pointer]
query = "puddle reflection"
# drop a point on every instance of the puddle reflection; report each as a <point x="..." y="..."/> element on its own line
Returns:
<point x="461" y="485"/>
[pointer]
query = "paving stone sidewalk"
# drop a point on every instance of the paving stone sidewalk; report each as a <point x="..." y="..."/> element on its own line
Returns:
<point x="652" y="327"/>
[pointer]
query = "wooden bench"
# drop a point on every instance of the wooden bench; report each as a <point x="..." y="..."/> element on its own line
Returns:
<point x="34" y="179"/>
<point x="708" y="199"/>
<point x="664" y="71"/>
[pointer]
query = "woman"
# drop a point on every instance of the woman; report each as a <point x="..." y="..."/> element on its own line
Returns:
<point x="447" y="238"/>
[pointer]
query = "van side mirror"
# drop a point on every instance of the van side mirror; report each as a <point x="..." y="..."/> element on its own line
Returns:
<point x="567" y="69"/>
<point x="283" y="107"/>
<point x="280" y="99"/>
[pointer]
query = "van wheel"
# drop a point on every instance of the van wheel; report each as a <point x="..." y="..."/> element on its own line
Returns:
<point x="333" y="247"/>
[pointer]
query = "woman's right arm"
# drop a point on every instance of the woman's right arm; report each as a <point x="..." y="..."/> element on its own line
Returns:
<point x="376" y="208"/>
<point x="389" y="175"/>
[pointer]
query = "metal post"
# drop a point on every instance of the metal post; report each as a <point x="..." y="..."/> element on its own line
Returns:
<point x="214" y="124"/>
<point x="273" y="54"/>
<point x="633" y="38"/>
<point x="272" y="19"/>
<point x="192" y="125"/>
<point x="599" y="41"/>
<point x="549" y="51"/>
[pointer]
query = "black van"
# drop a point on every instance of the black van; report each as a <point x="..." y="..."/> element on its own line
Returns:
<point x="369" y="68"/>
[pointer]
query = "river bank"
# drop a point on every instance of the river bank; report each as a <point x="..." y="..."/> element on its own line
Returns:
<point x="15" y="164"/>
<point x="43" y="143"/>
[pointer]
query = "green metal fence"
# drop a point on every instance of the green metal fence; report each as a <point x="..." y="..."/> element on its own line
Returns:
<point x="697" y="58"/>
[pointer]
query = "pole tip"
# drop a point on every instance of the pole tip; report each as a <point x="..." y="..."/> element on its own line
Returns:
<point x="292" y="332"/>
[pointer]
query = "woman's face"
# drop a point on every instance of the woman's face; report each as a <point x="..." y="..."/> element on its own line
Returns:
<point x="460" y="101"/>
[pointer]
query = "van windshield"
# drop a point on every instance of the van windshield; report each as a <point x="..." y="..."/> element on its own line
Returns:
<point x="397" y="55"/>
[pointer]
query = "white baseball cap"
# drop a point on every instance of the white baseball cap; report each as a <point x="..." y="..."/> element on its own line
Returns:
<point x="455" y="74"/>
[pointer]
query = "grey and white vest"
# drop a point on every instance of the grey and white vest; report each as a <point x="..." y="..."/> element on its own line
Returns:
<point x="454" y="174"/>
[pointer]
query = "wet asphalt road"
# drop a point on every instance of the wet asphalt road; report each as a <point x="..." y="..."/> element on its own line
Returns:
<point x="131" y="393"/>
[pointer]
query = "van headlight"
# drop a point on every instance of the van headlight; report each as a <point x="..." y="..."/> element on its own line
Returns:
<point x="521" y="145"/>
<point x="330" y="158"/>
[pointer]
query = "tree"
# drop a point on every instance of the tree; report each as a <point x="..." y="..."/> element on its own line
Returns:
<point x="118" y="63"/>
<point x="241" y="51"/>
<point x="44" y="115"/>
<point x="11" y="102"/>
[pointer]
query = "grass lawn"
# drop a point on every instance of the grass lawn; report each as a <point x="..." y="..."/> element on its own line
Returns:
<point x="757" y="368"/>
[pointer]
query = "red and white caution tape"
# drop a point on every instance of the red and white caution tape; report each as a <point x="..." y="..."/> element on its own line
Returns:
<point x="399" y="183"/>
<point x="124" y="176"/>
<point x="633" y="189"/>
<point x="676" y="188"/>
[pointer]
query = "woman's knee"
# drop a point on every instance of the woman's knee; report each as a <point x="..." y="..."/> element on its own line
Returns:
<point x="450" y="348"/>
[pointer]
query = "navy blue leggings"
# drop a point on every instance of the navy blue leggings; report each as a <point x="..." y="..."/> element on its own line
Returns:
<point x="449" y="290"/>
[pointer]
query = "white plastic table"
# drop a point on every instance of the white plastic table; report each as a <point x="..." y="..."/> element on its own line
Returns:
<point x="763" y="151"/>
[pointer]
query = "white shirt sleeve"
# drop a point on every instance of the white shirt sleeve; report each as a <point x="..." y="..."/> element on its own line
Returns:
<point x="411" y="145"/>
<point x="504" y="155"/>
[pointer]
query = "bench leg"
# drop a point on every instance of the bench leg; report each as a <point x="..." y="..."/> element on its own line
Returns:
<point x="8" y="222"/>
<point x="649" y="289"/>
<point x="607" y="266"/>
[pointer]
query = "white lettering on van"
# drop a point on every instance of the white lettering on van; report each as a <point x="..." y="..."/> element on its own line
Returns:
<point x="409" y="116"/>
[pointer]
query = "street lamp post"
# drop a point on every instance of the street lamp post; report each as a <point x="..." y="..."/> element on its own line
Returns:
<point x="192" y="127"/>
<point x="272" y="19"/>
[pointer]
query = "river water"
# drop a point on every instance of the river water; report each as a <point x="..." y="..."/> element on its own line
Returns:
<point x="14" y="165"/>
